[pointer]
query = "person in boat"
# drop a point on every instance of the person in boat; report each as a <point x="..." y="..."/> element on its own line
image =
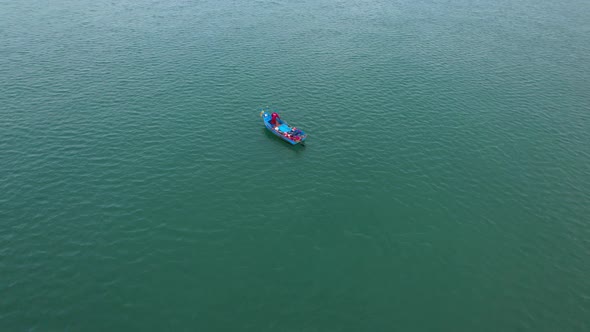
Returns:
<point x="275" y="120"/>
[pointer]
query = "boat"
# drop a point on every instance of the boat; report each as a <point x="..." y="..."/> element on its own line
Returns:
<point x="287" y="133"/>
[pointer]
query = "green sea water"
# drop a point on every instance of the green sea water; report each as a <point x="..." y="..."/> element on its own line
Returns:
<point x="445" y="184"/>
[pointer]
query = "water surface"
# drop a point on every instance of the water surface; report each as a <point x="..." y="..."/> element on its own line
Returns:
<point x="445" y="185"/>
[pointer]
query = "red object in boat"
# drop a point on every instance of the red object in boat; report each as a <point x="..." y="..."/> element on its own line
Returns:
<point x="274" y="119"/>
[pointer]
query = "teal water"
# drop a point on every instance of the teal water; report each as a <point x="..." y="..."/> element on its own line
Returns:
<point x="445" y="185"/>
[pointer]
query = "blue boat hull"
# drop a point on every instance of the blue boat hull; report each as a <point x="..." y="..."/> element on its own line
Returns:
<point x="285" y="136"/>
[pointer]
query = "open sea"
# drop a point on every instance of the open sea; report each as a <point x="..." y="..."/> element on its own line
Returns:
<point x="444" y="186"/>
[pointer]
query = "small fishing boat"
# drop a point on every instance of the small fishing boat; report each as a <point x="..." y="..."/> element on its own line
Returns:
<point x="281" y="128"/>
